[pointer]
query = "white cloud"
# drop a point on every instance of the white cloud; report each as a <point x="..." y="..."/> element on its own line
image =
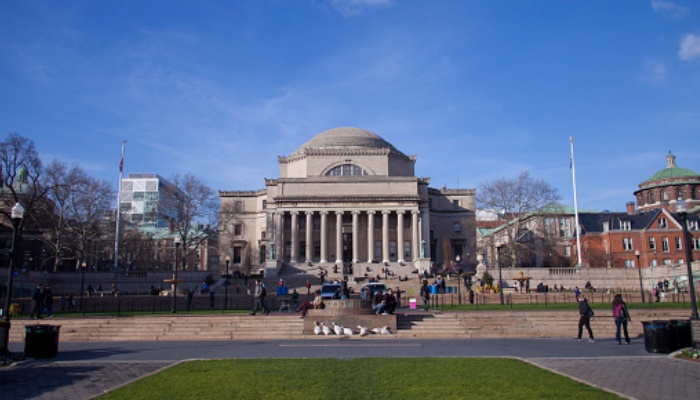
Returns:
<point x="668" y="9"/>
<point x="690" y="47"/>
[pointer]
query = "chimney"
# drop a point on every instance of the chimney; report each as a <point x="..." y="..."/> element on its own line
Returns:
<point x="630" y="207"/>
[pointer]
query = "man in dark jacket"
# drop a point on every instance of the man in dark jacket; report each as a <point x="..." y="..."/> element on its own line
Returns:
<point x="37" y="302"/>
<point x="586" y="313"/>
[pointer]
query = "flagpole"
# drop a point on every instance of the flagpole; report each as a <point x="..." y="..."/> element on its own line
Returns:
<point x="578" y="226"/>
<point x="119" y="213"/>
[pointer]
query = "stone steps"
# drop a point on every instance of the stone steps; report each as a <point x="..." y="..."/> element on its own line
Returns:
<point x="474" y="324"/>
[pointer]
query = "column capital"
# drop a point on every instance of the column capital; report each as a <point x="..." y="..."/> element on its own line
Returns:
<point x="415" y="212"/>
<point x="339" y="212"/>
<point x="385" y="212"/>
<point x="402" y="212"/>
<point x="372" y="212"/>
<point x="309" y="212"/>
<point x="323" y="212"/>
<point x="294" y="212"/>
<point x="356" y="212"/>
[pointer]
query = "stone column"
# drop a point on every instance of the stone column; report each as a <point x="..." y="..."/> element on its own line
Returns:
<point x="355" y="237"/>
<point x="295" y="237"/>
<point x="370" y="236"/>
<point x="426" y="230"/>
<point x="324" y="235"/>
<point x="338" y="237"/>
<point x="309" y="236"/>
<point x="280" y="236"/>
<point x="414" y="235"/>
<point x="385" y="236"/>
<point x="399" y="235"/>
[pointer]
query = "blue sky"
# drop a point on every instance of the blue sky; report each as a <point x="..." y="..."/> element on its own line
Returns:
<point x="477" y="90"/>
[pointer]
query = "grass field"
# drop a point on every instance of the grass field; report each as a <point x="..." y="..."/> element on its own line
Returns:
<point x="356" y="379"/>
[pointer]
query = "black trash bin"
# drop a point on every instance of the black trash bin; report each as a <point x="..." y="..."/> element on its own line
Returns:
<point x="656" y="336"/>
<point x="684" y="333"/>
<point x="41" y="341"/>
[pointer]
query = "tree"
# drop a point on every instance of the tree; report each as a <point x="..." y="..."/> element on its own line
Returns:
<point x="192" y="213"/>
<point x="514" y="199"/>
<point x="21" y="170"/>
<point x="80" y="202"/>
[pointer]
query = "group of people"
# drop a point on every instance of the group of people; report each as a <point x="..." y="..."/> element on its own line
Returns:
<point x="620" y="314"/>
<point x="42" y="302"/>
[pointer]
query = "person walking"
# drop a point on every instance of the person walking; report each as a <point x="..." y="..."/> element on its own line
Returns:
<point x="37" y="302"/>
<point x="47" y="298"/>
<point x="259" y="294"/>
<point x="621" y="315"/>
<point x="586" y="313"/>
<point x="425" y="294"/>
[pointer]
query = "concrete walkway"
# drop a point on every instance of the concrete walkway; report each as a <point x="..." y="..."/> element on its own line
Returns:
<point x="84" y="370"/>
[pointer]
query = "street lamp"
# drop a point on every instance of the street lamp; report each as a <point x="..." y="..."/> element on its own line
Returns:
<point x="82" y="285"/>
<point x="459" y="283"/>
<point x="177" y="247"/>
<point x="682" y="209"/>
<point x="500" y="275"/>
<point x="639" y="270"/>
<point x="17" y="214"/>
<point x="228" y="261"/>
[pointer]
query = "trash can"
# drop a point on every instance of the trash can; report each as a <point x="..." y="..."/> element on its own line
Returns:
<point x="657" y="337"/>
<point x="433" y="289"/>
<point x="684" y="334"/>
<point x="412" y="304"/>
<point x="41" y="341"/>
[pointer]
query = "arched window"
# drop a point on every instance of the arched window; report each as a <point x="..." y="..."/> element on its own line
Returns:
<point x="346" y="170"/>
<point x="664" y="196"/>
<point x="695" y="193"/>
<point x="679" y="194"/>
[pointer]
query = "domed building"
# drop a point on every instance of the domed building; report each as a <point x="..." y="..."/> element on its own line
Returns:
<point x="666" y="186"/>
<point x="349" y="202"/>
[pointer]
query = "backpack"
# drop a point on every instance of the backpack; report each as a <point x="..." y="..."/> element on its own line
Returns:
<point x="619" y="311"/>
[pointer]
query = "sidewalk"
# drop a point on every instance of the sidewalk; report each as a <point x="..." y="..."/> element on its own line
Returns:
<point x="84" y="370"/>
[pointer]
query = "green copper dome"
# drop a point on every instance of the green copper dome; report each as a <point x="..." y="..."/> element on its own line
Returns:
<point x="672" y="171"/>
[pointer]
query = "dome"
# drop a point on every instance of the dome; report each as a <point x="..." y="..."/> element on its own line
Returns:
<point x="672" y="171"/>
<point x="345" y="137"/>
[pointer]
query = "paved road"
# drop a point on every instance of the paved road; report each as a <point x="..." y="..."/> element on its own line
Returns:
<point x="83" y="370"/>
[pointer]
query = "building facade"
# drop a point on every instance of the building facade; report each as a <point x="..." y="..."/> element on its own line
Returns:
<point x="142" y="200"/>
<point x="346" y="199"/>
<point x="666" y="186"/>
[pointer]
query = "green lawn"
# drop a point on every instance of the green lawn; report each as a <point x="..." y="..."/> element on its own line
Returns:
<point x="357" y="379"/>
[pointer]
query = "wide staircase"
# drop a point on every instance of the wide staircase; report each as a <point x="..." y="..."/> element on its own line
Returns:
<point x="411" y="324"/>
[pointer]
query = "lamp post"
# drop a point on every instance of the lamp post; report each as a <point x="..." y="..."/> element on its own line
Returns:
<point x="17" y="214"/>
<point x="639" y="271"/>
<point x="228" y="261"/>
<point x="682" y="209"/>
<point x="459" y="281"/>
<point x="82" y="286"/>
<point x="500" y="275"/>
<point x="177" y="247"/>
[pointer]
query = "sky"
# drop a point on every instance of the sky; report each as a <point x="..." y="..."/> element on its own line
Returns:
<point x="477" y="90"/>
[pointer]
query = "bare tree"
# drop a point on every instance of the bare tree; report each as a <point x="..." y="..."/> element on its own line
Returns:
<point x="192" y="212"/>
<point x="58" y="181"/>
<point x="514" y="199"/>
<point x="21" y="170"/>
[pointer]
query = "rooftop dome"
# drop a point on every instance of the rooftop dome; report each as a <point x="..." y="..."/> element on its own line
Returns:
<point x="345" y="137"/>
<point x="672" y="171"/>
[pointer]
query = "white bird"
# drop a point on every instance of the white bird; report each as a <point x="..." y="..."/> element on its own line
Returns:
<point x="337" y="329"/>
<point x="326" y="330"/>
<point x="364" y="331"/>
<point x="317" y="328"/>
<point x="347" y="331"/>
<point x="385" y="330"/>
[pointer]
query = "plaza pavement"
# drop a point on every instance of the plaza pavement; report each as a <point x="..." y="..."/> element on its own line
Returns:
<point x="84" y="370"/>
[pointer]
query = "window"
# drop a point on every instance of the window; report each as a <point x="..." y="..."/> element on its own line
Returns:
<point x="654" y="263"/>
<point x="681" y="261"/>
<point x="626" y="225"/>
<point x="652" y="198"/>
<point x="678" y="243"/>
<point x="664" y="195"/>
<point x="606" y="226"/>
<point x="627" y="244"/>
<point x="607" y="248"/>
<point x="263" y="235"/>
<point x="407" y="250"/>
<point x="629" y="263"/>
<point x="455" y="202"/>
<point x="695" y="243"/>
<point x="264" y="204"/>
<point x="549" y="228"/>
<point x="663" y="223"/>
<point x="652" y="243"/>
<point x="692" y="225"/>
<point x="564" y="227"/>
<point x="237" y="229"/>
<point x="346" y="170"/>
<point x="457" y="227"/>
<point x="664" y="244"/>
<point x="567" y="251"/>
<point x="238" y="206"/>
<point x="667" y="261"/>
<point x="237" y="253"/>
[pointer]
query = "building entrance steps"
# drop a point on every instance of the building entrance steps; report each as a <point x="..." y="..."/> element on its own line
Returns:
<point x="410" y="324"/>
